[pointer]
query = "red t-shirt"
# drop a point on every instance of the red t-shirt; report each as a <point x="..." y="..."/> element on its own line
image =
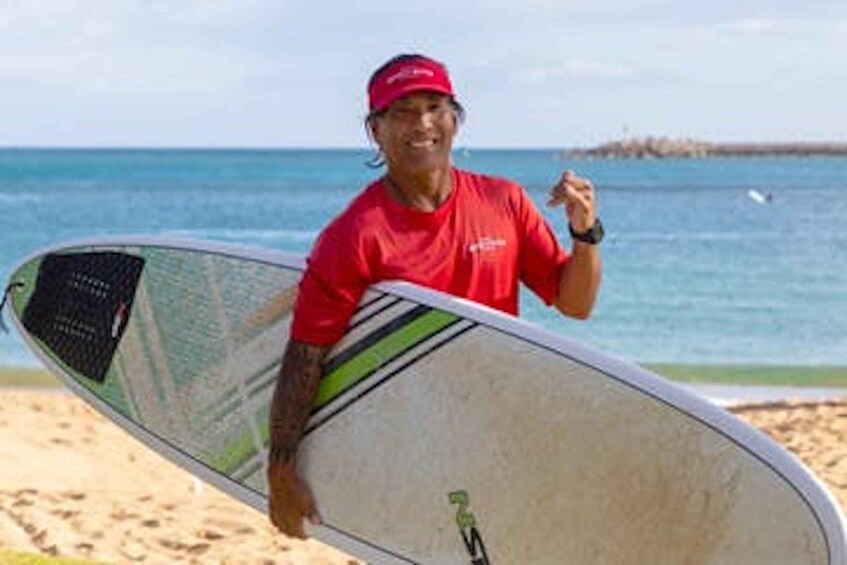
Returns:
<point x="478" y="244"/>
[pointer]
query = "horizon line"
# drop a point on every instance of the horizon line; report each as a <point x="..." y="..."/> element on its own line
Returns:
<point x="456" y="148"/>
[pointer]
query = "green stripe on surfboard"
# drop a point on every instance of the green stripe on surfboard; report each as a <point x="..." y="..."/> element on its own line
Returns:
<point x="385" y="350"/>
<point x="235" y="453"/>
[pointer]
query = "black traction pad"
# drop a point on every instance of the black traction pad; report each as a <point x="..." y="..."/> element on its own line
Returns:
<point x="81" y="305"/>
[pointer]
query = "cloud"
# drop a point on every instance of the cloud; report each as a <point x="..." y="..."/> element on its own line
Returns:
<point x="781" y="27"/>
<point x="141" y="47"/>
<point x="754" y="26"/>
<point x="293" y="72"/>
<point x="579" y="69"/>
<point x="589" y="74"/>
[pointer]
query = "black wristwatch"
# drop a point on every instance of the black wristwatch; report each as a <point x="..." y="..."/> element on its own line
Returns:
<point x="591" y="236"/>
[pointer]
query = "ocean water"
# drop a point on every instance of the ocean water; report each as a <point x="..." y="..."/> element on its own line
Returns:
<point x="694" y="269"/>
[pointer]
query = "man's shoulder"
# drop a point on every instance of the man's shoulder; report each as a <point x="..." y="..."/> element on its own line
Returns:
<point x="489" y="187"/>
<point x="346" y="234"/>
<point x="484" y="179"/>
<point x="361" y="210"/>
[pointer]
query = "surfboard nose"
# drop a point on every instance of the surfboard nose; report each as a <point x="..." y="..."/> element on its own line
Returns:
<point x="80" y="305"/>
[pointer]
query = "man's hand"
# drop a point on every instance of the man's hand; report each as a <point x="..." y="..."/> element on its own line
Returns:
<point x="578" y="196"/>
<point x="291" y="499"/>
<point x="580" y="277"/>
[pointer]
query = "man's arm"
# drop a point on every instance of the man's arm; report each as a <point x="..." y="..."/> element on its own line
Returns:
<point x="579" y="281"/>
<point x="580" y="277"/>
<point x="290" y="497"/>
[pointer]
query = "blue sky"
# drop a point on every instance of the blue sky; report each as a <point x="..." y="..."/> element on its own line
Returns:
<point x="531" y="73"/>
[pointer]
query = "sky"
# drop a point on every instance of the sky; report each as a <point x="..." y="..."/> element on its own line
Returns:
<point x="530" y="73"/>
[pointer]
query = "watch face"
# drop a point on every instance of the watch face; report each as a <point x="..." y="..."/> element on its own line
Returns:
<point x="596" y="231"/>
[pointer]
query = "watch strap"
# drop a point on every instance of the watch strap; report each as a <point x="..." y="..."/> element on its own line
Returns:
<point x="592" y="235"/>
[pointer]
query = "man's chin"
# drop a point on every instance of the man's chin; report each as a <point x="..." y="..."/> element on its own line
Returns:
<point x="425" y="161"/>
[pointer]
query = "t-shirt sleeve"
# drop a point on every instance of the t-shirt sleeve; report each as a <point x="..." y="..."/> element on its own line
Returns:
<point x="330" y="289"/>
<point x="542" y="256"/>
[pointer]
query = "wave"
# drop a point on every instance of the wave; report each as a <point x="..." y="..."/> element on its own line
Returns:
<point x="703" y="236"/>
<point x="24" y="198"/>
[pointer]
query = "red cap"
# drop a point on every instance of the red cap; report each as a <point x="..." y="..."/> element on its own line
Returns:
<point x="405" y="76"/>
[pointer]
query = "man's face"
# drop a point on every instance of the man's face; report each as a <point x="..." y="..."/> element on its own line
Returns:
<point x="416" y="132"/>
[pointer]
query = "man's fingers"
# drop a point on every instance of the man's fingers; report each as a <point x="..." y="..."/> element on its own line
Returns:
<point x="558" y="195"/>
<point x="294" y="528"/>
<point x="578" y="183"/>
<point x="291" y="525"/>
<point x="577" y="194"/>
<point x="288" y="524"/>
<point x="568" y="194"/>
<point x="308" y="506"/>
<point x="291" y="501"/>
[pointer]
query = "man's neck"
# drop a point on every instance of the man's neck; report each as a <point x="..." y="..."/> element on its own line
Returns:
<point x="423" y="191"/>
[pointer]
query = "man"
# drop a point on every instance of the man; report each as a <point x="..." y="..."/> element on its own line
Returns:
<point x="426" y="222"/>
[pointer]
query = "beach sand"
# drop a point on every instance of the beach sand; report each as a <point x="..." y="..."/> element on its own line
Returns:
<point x="74" y="485"/>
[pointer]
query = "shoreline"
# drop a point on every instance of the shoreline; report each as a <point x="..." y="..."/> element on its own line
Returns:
<point x="728" y="386"/>
<point x="800" y="376"/>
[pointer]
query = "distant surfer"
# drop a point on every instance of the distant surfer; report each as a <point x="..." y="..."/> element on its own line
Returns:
<point x="424" y="221"/>
<point x="759" y="197"/>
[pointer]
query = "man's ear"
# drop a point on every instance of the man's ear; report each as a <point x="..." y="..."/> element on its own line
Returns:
<point x="373" y="126"/>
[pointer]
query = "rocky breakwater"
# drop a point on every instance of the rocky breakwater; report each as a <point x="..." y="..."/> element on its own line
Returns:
<point x="662" y="147"/>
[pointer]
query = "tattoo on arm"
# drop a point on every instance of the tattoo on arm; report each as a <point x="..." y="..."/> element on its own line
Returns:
<point x="293" y="397"/>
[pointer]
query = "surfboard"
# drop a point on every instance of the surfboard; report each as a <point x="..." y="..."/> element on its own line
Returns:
<point x="442" y="432"/>
<point x="758" y="197"/>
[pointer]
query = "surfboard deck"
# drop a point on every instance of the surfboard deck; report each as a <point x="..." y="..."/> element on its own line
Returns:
<point x="443" y="431"/>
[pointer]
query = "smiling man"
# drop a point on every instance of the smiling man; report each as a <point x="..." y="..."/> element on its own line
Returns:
<point x="424" y="221"/>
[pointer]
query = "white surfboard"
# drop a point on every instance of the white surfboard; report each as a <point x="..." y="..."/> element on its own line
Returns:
<point x="443" y="431"/>
<point x="758" y="197"/>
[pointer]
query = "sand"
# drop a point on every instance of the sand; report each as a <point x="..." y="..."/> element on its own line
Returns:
<point x="74" y="485"/>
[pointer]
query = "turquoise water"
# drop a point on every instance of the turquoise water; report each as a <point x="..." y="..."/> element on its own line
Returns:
<point x="695" y="270"/>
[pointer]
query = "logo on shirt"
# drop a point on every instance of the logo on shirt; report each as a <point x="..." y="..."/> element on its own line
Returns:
<point x="486" y="244"/>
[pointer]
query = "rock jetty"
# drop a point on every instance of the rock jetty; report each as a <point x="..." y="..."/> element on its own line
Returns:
<point x="662" y="147"/>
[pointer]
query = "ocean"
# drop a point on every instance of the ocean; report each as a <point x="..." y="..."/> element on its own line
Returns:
<point x="695" y="270"/>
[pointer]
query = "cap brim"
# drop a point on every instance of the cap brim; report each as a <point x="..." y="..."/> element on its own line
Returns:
<point x="395" y="95"/>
